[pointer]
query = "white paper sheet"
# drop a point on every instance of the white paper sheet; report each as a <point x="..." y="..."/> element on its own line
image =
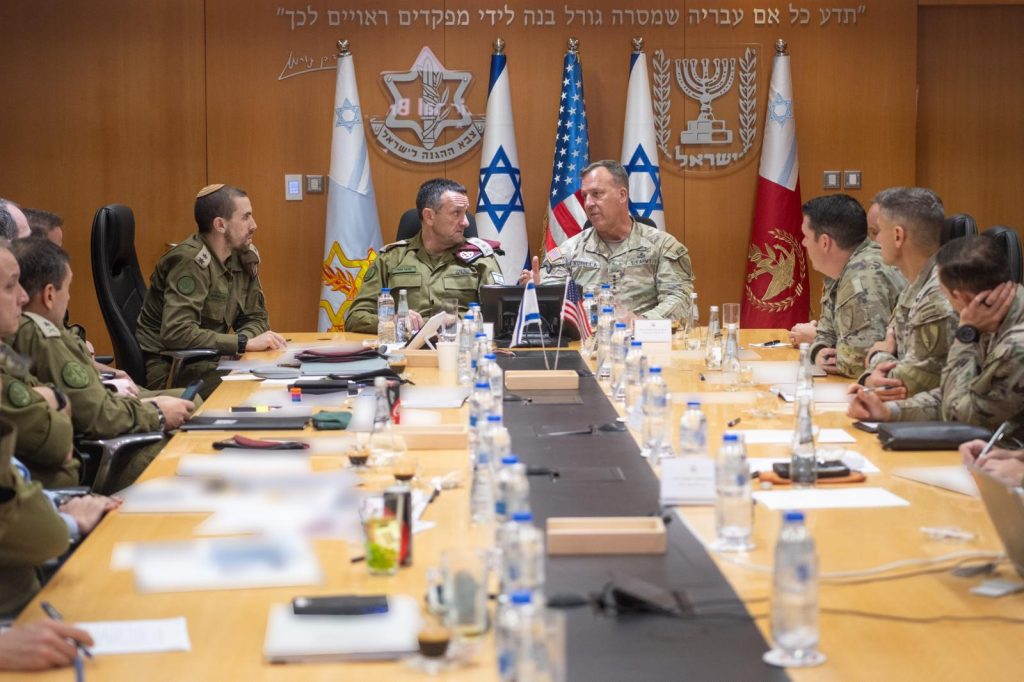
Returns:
<point x="955" y="478"/>
<point x="268" y="464"/>
<point x="785" y="436"/>
<point x="240" y="377"/>
<point x="138" y="636"/>
<point x="833" y="498"/>
<point x="434" y="397"/>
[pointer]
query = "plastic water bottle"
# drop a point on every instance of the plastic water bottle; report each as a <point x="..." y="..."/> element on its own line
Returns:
<point x="636" y="372"/>
<point x="385" y="317"/>
<point x="512" y="490"/>
<point x="481" y="348"/>
<point x="805" y="375"/>
<point x="467" y="336"/>
<point x="402" y="317"/>
<point x="795" y="596"/>
<point x="606" y="296"/>
<point x="714" y="351"/>
<point x="734" y="506"/>
<point x="382" y="405"/>
<point x="522" y="555"/>
<point x="803" y="471"/>
<point x="490" y="371"/>
<point x="481" y="496"/>
<point x="693" y="430"/>
<point x="478" y="316"/>
<point x="620" y="346"/>
<point x="604" y="344"/>
<point x="655" y="405"/>
<point x="517" y="636"/>
<point x="479" y="407"/>
<point x="499" y="444"/>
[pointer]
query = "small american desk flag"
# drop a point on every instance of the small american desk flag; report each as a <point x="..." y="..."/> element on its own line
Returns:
<point x="573" y="311"/>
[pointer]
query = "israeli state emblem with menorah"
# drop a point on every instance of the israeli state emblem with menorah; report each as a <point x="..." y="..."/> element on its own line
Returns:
<point x="706" y="106"/>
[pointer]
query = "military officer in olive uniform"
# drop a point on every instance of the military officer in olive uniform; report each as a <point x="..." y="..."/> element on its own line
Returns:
<point x="62" y="359"/>
<point x="983" y="380"/>
<point x="860" y="290"/>
<point x="205" y="293"/>
<point x="437" y="263"/>
<point x="911" y="357"/>
<point x="41" y="414"/>
<point x="31" y="531"/>
<point x="649" y="269"/>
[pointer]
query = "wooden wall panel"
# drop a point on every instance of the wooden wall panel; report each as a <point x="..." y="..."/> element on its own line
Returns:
<point x="104" y="103"/>
<point x="970" y="139"/>
<point x="852" y="83"/>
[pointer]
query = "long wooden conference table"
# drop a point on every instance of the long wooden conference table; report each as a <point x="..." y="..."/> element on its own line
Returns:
<point x="901" y="624"/>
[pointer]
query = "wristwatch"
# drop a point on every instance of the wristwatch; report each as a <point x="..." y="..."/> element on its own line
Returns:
<point x="242" y="341"/>
<point x="967" y="333"/>
<point x="160" y="416"/>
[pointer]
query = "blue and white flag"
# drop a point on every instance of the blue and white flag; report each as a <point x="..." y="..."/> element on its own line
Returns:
<point x="529" y="313"/>
<point x="353" y="228"/>
<point x="499" y="208"/>
<point x="639" y="148"/>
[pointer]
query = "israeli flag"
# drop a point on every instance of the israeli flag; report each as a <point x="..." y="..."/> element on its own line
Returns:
<point x="639" y="148"/>
<point x="529" y="313"/>
<point x="499" y="208"/>
<point x="353" y="234"/>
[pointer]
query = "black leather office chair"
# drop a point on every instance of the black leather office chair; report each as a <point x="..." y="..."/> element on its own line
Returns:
<point x="1010" y="240"/>
<point x="121" y="290"/>
<point x="409" y="225"/>
<point x="958" y="225"/>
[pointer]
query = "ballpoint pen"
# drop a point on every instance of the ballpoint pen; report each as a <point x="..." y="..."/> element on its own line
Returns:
<point x="54" y="614"/>
<point x="733" y="422"/>
<point x="992" y="441"/>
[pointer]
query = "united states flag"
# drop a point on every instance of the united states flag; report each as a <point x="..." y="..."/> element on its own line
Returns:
<point x="572" y="154"/>
<point x="573" y="311"/>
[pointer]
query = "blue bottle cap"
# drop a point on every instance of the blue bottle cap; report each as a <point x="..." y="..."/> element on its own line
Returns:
<point x="606" y="286"/>
<point x="509" y="459"/>
<point x="481" y="335"/>
<point x="654" y="370"/>
<point x="521" y="597"/>
<point x="608" y="309"/>
<point x="620" y="325"/>
<point x="793" y="517"/>
<point x="385" y="290"/>
<point x="588" y="295"/>
<point x="494" y="418"/>
<point x="482" y="384"/>
<point x="636" y="344"/>
<point x="490" y="356"/>
<point x="693" y="403"/>
<point x="522" y="516"/>
<point x="469" y="315"/>
<point x="730" y="438"/>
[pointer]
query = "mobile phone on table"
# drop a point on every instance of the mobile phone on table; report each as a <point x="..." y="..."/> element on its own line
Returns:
<point x="832" y="469"/>
<point x="192" y="389"/>
<point x="870" y="427"/>
<point x="340" y="605"/>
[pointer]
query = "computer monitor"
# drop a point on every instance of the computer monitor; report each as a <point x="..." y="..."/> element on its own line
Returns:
<point x="500" y="305"/>
<point x="1005" y="508"/>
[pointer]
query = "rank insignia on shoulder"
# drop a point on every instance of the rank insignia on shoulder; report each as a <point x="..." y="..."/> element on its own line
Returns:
<point x="388" y="247"/>
<point x="476" y="248"/>
<point x="203" y="258"/>
<point x="49" y="329"/>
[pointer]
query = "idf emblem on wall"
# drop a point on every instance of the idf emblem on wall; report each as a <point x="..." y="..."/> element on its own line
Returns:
<point x="427" y="121"/>
<point x="706" y="106"/>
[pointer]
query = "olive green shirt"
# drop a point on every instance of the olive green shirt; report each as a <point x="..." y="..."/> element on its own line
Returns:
<point x="427" y="279"/>
<point x="196" y="301"/>
<point x="31" y="531"/>
<point x="982" y="382"/>
<point x="650" y="271"/>
<point x="856" y="306"/>
<point x="44" y="434"/>
<point x="924" y="323"/>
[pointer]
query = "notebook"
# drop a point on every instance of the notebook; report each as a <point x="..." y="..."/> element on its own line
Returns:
<point x="377" y="636"/>
<point x="246" y="423"/>
<point x="1006" y="509"/>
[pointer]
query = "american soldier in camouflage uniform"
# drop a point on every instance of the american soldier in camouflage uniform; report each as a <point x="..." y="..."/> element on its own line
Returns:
<point x="649" y="269"/>
<point x="855" y="307"/>
<point x="206" y="293"/>
<point x="923" y="323"/>
<point x="437" y="263"/>
<point x="983" y="380"/>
